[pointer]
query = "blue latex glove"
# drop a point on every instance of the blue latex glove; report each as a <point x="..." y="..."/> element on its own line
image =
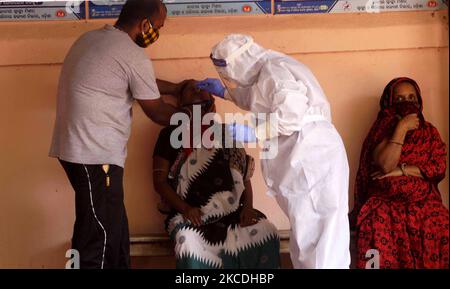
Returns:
<point x="212" y="85"/>
<point x="242" y="133"/>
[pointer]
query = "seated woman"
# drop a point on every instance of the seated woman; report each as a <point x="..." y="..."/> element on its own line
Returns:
<point x="212" y="221"/>
<point x="398" y="204"/>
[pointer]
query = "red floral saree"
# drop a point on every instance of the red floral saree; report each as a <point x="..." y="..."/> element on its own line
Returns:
<point x="403" y="217"/>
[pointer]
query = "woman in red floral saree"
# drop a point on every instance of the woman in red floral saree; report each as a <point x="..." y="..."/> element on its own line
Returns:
<point x="398" y="205"/>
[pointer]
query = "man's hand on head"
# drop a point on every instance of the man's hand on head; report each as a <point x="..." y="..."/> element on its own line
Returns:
<point x="179" y="87"/>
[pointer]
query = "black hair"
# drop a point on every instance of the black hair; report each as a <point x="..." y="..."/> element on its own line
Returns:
<point x="136" y="10"/>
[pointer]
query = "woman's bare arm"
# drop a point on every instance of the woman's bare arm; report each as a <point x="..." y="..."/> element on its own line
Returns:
<point x="161" y="169"/>
<point x="387" y="154"/>
<point x="413" y="171"/>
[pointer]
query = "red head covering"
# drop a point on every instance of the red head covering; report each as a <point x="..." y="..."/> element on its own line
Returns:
<point x="387" y="100"/>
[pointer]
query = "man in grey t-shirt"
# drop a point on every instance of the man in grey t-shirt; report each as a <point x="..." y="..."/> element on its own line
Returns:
<point x="103" y="73"/>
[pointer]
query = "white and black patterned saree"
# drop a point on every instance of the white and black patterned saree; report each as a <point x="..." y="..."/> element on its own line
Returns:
<point x="213" y="180"/>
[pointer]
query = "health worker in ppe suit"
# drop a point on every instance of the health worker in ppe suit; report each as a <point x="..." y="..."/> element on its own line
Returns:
<point x="309" y="174"/>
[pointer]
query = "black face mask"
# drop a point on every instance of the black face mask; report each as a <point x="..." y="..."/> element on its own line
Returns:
<point x="405" y="108"/>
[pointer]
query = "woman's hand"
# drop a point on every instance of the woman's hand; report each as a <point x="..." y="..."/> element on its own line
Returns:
<point x="410" y="122"/>
<point x="248" y="217"/>
<point x="194" y="215"/>
<point x="397" y="172"/>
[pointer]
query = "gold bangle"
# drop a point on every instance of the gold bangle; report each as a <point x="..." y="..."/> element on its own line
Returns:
<point x="396" y="142"/>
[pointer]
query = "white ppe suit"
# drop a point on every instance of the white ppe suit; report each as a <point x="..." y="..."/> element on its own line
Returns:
<point x="309" y="175"/>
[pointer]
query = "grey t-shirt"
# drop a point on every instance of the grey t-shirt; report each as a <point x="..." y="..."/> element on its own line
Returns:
<point x="102" y="74"/>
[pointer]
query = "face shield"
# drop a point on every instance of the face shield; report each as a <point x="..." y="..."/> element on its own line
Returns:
<point x="222" y="65"/>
